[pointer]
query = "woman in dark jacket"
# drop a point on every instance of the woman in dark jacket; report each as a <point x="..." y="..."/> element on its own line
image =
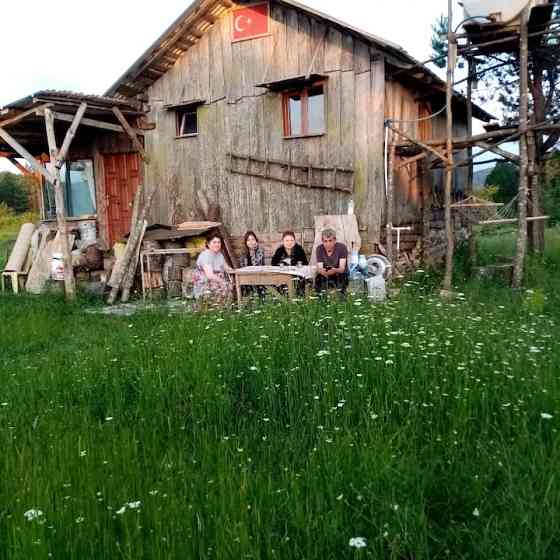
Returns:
<point x="289" y="253"/>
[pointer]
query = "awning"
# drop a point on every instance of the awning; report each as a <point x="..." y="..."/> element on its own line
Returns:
<point x="293" y="82"/>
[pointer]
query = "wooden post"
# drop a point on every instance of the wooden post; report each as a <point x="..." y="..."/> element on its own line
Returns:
<point x="521" y="246"/>
<point x="390" y="198"/>
<point x="452" y="51"/>
<point x="426" y="210"/>
<point x="470" y="187"/>
<point x="54" y="168"/>
<point x="535" y="230"/>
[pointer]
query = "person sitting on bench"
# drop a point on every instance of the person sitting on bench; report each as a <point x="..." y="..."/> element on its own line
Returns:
<point x="332" y="258"/>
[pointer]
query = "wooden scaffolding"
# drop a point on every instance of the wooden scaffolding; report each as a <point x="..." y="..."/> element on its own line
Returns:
<point x="478" y="38"/>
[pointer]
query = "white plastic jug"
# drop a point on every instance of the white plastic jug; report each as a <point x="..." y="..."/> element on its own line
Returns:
<point x="57" y="267"/>
<point x="376" y="287"/>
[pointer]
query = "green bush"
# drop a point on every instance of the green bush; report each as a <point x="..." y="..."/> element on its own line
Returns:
<point x="551" y="201"/>
<point x="13" y="192"/>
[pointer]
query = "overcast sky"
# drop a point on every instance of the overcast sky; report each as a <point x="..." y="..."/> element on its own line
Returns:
<point x="94" y="43"/>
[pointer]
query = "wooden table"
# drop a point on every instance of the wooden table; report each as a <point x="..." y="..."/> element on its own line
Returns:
<point x="269" y="276"/>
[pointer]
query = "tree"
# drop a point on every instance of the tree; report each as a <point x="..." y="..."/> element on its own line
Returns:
<point x="505" y="177"/>
<point x="551" y="201"/>
<point x="13" y="192"/>
<point x="499" y="74"/>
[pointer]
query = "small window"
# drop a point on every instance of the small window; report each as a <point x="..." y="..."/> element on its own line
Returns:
<point x="78" y="184"/>
<point x="187" y="122"/>
<point x="304" y="111"/>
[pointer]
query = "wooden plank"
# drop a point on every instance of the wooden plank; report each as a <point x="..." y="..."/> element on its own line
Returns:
<point x="333" y="50"/>
<point x="131" y="134"/>
<point x="521" y="242"/>
<point x="22" y="152"/>
<point x="23" y="170"/>
<point x="376" y="172"/>
<point x="504" y="153"/>
<point x="93" y="123"/>
<point x="70" y="133"/>
<point x="421" y="144"/>
<point x="13" y="120"/>
<point x="449" y="232"/>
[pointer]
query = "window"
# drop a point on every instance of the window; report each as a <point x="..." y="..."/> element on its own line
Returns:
<point x="187" y="121"/>
<point x="304" y="111"/>
<point x="78" y="184"/>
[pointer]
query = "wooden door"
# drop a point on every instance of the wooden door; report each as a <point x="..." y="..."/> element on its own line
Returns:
<point x="122" y="177"/>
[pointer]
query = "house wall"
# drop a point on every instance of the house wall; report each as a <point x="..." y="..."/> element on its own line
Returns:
<point x="244" y="119"/>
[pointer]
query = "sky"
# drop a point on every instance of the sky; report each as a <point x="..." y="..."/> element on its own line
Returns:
<point x="95" y="43"/>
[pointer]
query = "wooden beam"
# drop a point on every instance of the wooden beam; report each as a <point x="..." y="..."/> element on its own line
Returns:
<point x="70" y="133"/>
<point x="92" y="122"/>
<point x="23" y="170"/>
<point x="22" y="152"/>
<point x="449" y="175"/>
<point x="513" y="220"/>
<point x="521" y="242"/>
<point x="494" y="149"/>
<point x="410" y="160"/>
<point x="69" y="281"/>
<point x="390" y="198"/>
<point x="13" y="120"/>
<point x="131" y="134"/>
<point x="421" y="144"/>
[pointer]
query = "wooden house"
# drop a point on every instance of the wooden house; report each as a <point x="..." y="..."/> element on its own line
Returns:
<point x="271" y="111"/>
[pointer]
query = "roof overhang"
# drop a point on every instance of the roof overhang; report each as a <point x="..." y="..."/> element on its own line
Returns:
<point x="24" y="120"/>
<point x="191" y="104"/>
<point x="293" y="82"/>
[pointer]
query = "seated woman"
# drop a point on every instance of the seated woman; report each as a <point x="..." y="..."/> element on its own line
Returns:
<point x="253" y="256"/>
<point x="209" y="278"/>
<point x="289" y="253"/>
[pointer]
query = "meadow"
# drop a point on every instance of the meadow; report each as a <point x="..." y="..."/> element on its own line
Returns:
<point x="416" y="429"/>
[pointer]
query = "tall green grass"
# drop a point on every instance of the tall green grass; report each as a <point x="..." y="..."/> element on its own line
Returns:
<point x="429" y="428"/>
<point x="10" y="224"/>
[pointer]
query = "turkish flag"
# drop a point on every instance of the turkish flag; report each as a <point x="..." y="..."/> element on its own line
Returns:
<point x="250" y="21"/>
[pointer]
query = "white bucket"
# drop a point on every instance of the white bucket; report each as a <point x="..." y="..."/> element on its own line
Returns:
<point x="88" y="234"/>
<point x="377" y="290"/>
<point x="57" y="267"/>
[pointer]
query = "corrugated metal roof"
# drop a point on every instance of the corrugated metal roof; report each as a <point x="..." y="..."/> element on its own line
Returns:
<point x="71" y="96"/>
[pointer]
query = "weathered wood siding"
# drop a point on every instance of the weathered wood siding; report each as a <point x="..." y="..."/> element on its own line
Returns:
<point x="240" y="117"/>
<point x="403" y="106"/>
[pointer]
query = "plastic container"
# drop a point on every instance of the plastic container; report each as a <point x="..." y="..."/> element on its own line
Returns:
<point x="57" y="267"/>
<point x="88" y="234"/>
<point x="376" y="288"/>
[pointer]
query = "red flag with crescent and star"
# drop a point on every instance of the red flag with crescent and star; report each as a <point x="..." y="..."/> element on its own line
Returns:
<point x="251" y="21"/>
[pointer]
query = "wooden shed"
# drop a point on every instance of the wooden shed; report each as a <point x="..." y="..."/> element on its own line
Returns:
<point x="271" y="111"/>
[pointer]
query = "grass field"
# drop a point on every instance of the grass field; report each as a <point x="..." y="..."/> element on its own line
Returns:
<point x="428" y="428"/>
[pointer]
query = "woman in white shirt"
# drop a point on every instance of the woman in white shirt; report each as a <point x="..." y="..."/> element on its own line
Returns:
<point x="210" y="273"/>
